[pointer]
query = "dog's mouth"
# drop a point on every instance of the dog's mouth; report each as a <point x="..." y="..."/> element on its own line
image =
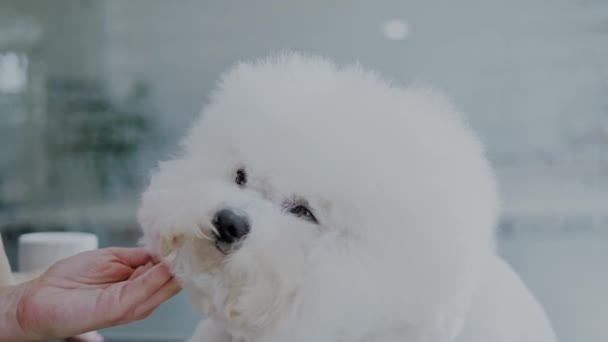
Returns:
<point x="226" y="247"/>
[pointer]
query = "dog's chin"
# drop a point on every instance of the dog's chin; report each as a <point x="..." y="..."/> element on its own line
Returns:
<point x="229" y="290"/>
<point x="226" y="248"/>
<point x="223" y="247"/>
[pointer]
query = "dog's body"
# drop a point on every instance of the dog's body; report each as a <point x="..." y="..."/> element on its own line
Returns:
<point x="320" y="204"/>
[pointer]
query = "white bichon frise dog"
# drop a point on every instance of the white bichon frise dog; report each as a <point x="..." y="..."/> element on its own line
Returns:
<point x="317" y="203"/>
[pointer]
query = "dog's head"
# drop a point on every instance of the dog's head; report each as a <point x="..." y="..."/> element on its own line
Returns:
<point x="308" y="190"/>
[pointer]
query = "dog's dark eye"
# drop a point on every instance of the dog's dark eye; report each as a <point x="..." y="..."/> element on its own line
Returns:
<point x="303" y="212"/>
<point x="241" y="177"/>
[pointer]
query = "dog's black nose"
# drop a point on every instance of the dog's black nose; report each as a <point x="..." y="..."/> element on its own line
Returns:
<point x="230" y="225"/>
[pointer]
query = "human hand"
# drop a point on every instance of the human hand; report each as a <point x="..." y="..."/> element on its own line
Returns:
<point x="94" y="290"/>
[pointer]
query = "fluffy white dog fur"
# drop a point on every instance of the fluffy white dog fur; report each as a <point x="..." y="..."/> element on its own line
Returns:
<point x="404" y="201"/>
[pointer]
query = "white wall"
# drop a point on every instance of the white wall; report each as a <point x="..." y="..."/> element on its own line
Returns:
<point x="531" y="69"/>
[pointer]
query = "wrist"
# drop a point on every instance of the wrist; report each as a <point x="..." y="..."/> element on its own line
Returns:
<point x="11" y="298"/>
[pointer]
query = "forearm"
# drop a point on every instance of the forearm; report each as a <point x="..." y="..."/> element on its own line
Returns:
<point x="10" y="329"/>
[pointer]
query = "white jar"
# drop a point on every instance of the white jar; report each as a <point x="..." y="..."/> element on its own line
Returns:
<point x="39" y="251"/>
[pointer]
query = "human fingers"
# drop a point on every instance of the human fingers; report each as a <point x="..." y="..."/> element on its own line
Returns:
<point x="132" y="256"/>
<point x="170" y="289"/>
<point x="136" y="291"/>
<point x="141" y="270"/>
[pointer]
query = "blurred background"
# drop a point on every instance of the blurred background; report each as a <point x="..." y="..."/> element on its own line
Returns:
<point x="93" y="93"/>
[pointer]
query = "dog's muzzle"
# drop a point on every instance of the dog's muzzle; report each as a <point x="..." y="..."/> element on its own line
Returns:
<point x="231" y="227"/>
